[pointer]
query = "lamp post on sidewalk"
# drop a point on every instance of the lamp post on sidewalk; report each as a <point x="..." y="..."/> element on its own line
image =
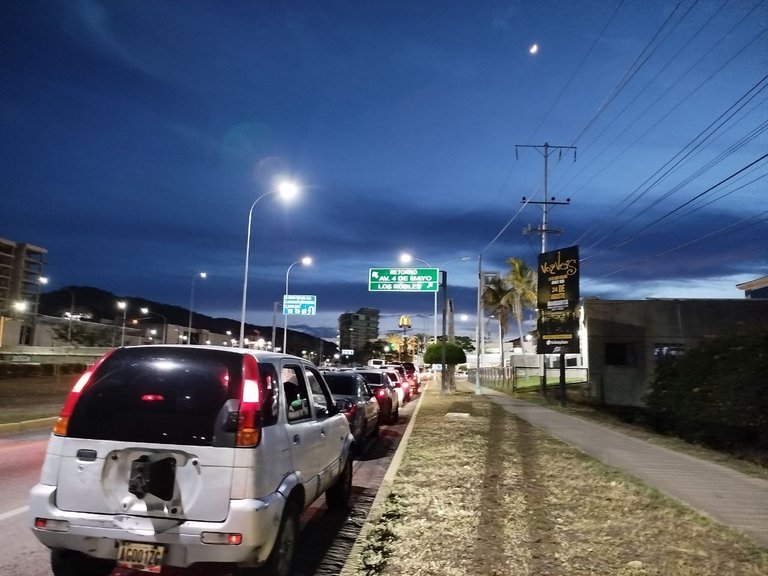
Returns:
<point x="286" y="190"/>
<point x="123" y="305"/>
<point x="202" y="275"/>
<point x="306" y="261"/>
<point x="165" y="320"/>
<point x="406" y="258"/>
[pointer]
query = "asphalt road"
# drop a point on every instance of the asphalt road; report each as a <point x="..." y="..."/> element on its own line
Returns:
<point x="325" y="540"/>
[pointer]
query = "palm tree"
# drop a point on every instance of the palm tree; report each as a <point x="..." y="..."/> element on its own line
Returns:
<point x="522" y="283"/>
<point x="498" y="300"/>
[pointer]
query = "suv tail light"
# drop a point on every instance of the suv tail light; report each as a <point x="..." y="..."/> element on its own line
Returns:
<point x="62" y="424"/>
<point x="248" y="432"/>
<point x="350" y="409"/>
<point x="381" y="393"/>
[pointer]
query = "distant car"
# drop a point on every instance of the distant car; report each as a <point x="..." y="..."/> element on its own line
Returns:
<point x="385" y="392"/>
<point x="399" y="383"/>
<point x="175" y="455"/>
<point x="402" y="380"/>
<point x="357" y="402"/>
<point x="412" y="373"/>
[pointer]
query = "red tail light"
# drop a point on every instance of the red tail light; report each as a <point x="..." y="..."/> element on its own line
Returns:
<point x="60" y="428"/>
<point x="349" y="409"/>
<point x="247" y="422"/>
<point x="381" y="393"/>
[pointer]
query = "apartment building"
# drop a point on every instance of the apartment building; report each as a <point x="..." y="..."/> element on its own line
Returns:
<point x="356" y="329"/>
<point x="21" y="267"/>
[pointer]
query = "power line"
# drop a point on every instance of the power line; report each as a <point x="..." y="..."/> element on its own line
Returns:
<point x="697" y="142"/>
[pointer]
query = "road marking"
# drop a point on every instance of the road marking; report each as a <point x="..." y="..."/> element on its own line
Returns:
<point x="12" y="513"/>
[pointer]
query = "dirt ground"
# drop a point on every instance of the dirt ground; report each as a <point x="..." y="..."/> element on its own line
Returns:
<point x="482" y="492"/>
<point x="33" y="397"/>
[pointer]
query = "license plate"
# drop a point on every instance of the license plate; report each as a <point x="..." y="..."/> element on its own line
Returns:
<point x="142" y="557"/>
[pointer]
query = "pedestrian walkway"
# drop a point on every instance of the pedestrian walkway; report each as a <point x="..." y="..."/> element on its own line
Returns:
<point x="725" y="495"/>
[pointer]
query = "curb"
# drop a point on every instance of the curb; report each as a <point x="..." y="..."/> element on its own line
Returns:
<point x="352" y="565"/>
<point x="26" y="425"/>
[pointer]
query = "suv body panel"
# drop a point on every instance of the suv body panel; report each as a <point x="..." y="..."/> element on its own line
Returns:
<point x="95" y="486"/>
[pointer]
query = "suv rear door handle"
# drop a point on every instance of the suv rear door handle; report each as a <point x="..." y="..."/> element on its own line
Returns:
<point x="296" y="439"/>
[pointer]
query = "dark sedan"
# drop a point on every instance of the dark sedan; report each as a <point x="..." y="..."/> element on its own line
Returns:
<point x="357" y="402"/>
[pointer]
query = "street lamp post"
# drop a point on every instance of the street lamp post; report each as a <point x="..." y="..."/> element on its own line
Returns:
<point x="306" y="261"/>
<point x="165" y="320"/>
<point x="43" y="281"/>
<point x="202" y="275"/>
<point x="406" y="259"/>
<point x="274" y="323"/>
<point x="479" y="328"/>
<point x="123" y="305"/>
<point x="286" y="190"/>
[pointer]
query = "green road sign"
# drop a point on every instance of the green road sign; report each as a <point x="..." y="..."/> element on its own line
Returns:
<point x="403" y="279"/>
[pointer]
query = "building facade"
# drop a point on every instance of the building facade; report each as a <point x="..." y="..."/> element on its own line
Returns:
<point x="356" y="329"/>
<point x="757" y="288"/>
<point x="21" y="267"/>
<point x="623" y="340"/>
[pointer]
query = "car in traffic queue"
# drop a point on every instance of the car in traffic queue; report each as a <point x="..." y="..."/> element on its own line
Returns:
<point x="357" y="402"/>
<point x="397" y="384"/>
<point x="173" y="455"/>
<point x="402" y="380"/>
<point x="413" y="376"/>
<point x="386" y="394"/>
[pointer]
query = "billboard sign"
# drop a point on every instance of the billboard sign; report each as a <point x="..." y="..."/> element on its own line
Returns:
<point x="558" y="301"/>
<point x="299" y="305"/>
<point x="403" y="280"/>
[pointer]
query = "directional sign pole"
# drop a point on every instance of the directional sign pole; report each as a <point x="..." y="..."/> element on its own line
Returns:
<point x="443" y="385"/>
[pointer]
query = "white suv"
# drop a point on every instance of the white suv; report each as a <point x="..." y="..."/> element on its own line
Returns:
<point x="178" y="455"/>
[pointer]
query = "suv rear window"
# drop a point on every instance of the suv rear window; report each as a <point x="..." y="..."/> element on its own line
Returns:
<point x="341" y="383"/>
<point x="371" y="377"/>
<point x="157" y="395"/>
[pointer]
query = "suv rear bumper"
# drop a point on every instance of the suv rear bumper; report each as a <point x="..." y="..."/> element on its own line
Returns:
<point x="257" y="520"/>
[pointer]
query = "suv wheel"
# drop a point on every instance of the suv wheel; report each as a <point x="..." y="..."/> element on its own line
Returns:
<point x="281" y="557"/>
<point x="337" y="497"/>
<point x="72" y="563"/>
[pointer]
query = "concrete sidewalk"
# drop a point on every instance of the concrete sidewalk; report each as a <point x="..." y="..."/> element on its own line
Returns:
<point x="725" y="495"/>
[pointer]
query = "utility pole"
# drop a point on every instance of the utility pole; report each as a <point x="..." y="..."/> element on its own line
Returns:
<point x="546" y="150"/>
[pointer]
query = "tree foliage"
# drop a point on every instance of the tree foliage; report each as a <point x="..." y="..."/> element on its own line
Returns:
<point x="522" y="284"/>
<point x="465" y="343"/>
<point x="511" y="294"/>
<point x="716" y="394"/>
<point x="454" y="354"/>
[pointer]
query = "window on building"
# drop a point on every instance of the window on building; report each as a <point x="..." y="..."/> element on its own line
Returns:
<point x="620" y="354"/>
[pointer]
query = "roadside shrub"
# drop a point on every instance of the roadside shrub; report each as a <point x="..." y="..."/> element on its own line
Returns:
<point x="716" y="394"/>
<point x="15" y="370"/>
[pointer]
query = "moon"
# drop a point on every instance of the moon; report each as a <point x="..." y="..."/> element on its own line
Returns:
<point x="533" y="49"/>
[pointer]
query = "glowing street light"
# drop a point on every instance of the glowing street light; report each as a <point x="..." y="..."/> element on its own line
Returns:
<point x="165" y="320"/>
<point x="286" y="190"/>
<point x="306" y="261"/>
<point x="202" y="275"/>
<point x="123" y="305"/>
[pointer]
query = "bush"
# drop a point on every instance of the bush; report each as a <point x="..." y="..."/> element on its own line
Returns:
<point x="716" y="394"/>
